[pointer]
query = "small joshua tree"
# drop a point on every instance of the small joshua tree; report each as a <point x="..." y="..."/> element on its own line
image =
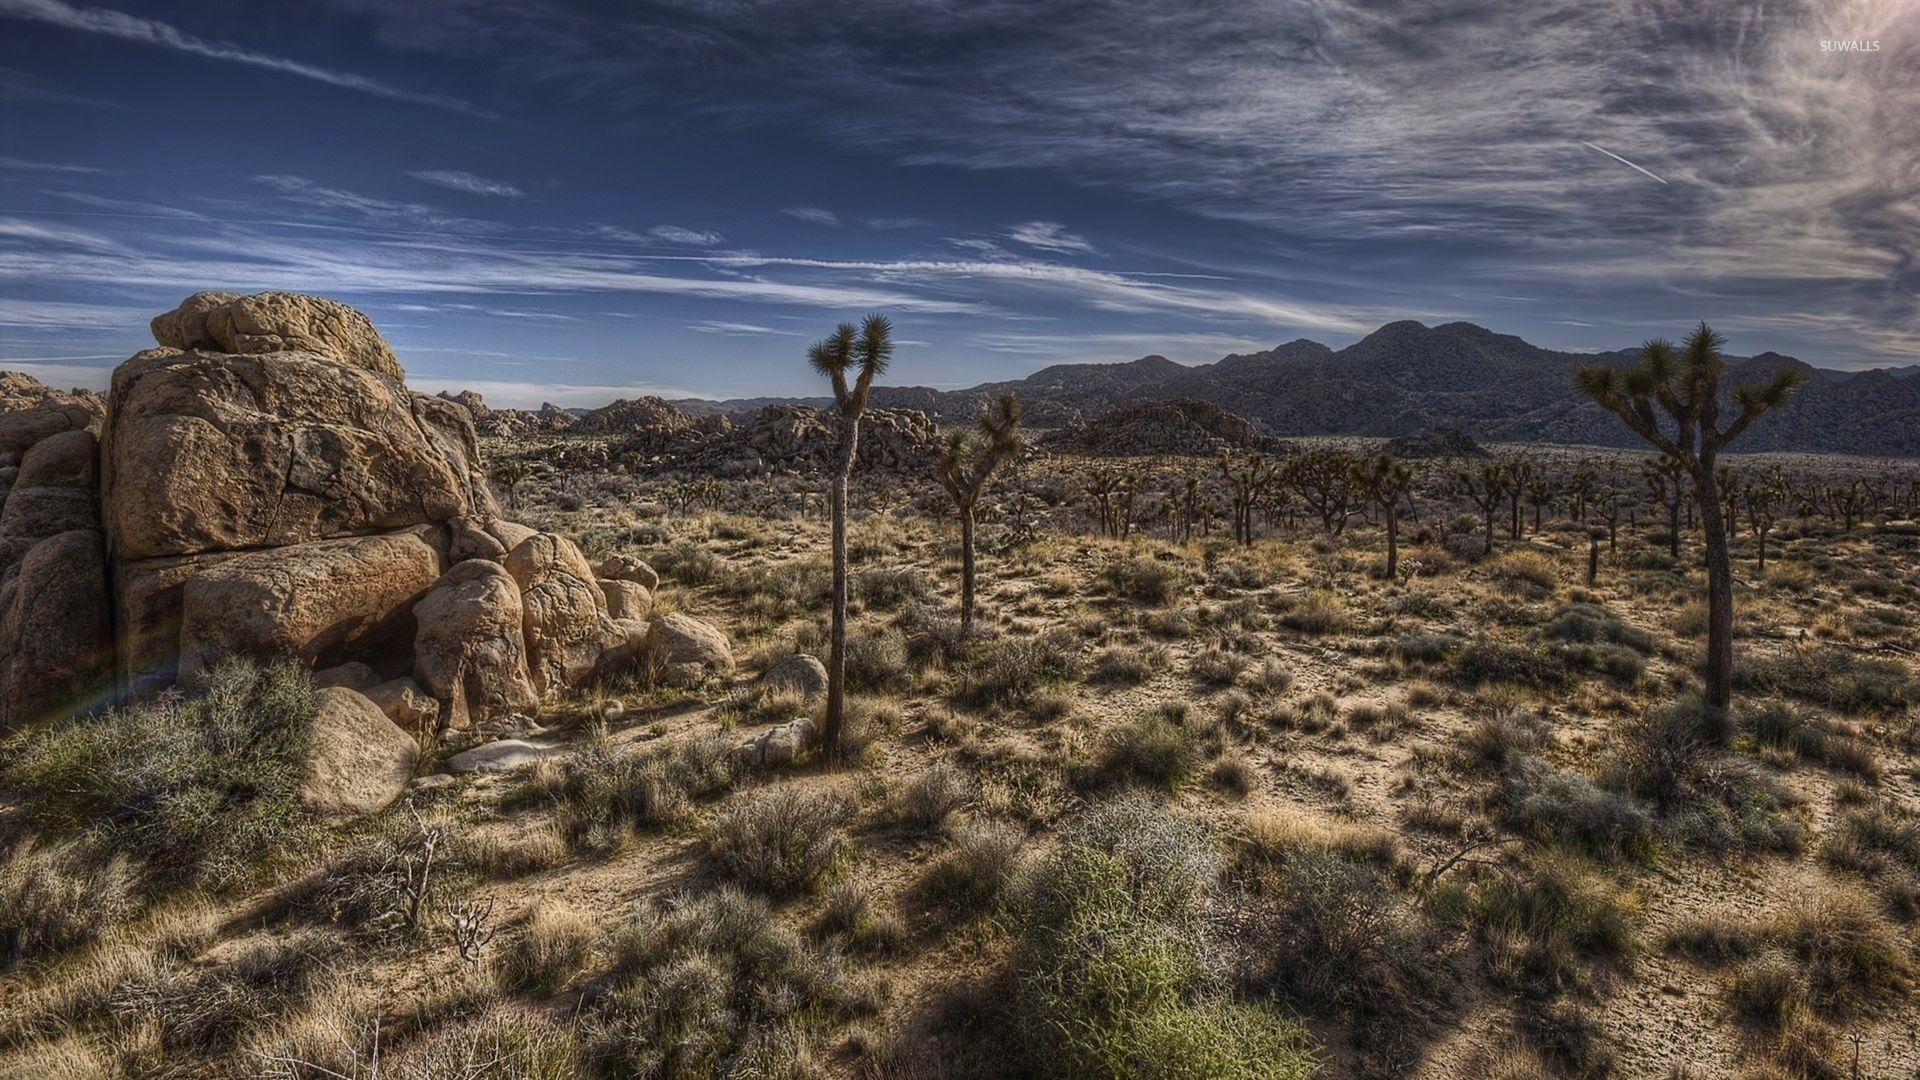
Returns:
<point x="966" y="463"/>
<point x="512" y="474"/>
<point x="1684" y="384"/>
<point x="863" y="353"/>
<point x="1389" y="480"/>
<point x="1487" y="489"/>
<point x="1664" y="477"/>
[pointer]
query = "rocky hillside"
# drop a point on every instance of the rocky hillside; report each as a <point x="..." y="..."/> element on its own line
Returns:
<point x="1405" y="378"/>
<point x="1182" y="426"/>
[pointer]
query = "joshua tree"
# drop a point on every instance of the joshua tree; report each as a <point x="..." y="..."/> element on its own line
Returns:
<point x="1329" y="482"/>
<point x="1389" y="480"/>
<point x="1685" y="384"/>
<point x="1540" y="495"/>
<point x="512" y="473"/>
<point x="966" y="464"/>
<point x="1663" y="477"/>
<point x="1487" y="490"/>
<point x="1249" y="480"/>
<point x="1762" y="499"/>
<point x="863" y="352"/>
<point x="1519" y="475"/>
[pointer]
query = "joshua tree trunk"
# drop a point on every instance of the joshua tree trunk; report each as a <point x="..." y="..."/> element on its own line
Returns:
<point x="1673" y="525"/>
<point x="1593" y="555"/>
<point x="1393" y="539"/>
<point x="966" y="570"/>
<point x="1719" y="591"/>
<point x="837" y="651"/>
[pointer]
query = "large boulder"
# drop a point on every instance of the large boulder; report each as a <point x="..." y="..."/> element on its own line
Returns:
<point x="277" y="322"/>
<point x="56" y="631"/>
<point x="214" y="452"/>
<point x="68" y="459"/>
<point x="800" y="674"/>
<point x="318" y="602"/>
<point x="628" y="568"/>
<point x="406" y="703"/>
<point x="469" y="648"/>
<point x="686" y="649"/>
<point x="626" y="599"/>
<point x="564" y="610"/>
<point x="360" y="761"/>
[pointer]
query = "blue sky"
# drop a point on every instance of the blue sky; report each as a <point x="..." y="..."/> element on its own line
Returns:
<point x="572" y="201"/>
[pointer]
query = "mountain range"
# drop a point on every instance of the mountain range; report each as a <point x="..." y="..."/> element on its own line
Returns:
<point x="1407" y="377"/>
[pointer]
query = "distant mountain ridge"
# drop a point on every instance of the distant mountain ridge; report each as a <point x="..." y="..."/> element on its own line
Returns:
<point x="1407" y="377"/>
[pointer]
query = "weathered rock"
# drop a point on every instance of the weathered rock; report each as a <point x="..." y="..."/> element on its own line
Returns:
<point x="470" y="648"/>
<point x="564" y="610"/>
<point x="406" y="704"/>
<point x="277" y="322"/>
<point x="56" y="631"/>
<point x="687" y="649"/>
<point x="797" y="674"/>
<point x="35" y="513"/>
<point x="626" y="599"/>
<point x="69" y="459"/>
<point x="147" y="599"/>
<point x="777" y="745"/>
<point x="467" y="539"/>
<point x="361" y="761"/>
<point x="318" y="602"/>
<point x="511" y="534"/>
<point x="212" y="452"/>
<point x="628" y="568"/>
<point x="504" y="755"/>
<point x="353" y="675"/>
<point x="21" y="428"/>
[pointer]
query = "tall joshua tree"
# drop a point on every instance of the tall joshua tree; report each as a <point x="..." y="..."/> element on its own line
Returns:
<point x="862" y="353"/>
<point x="1389" y="480"/>
<point x="1684" y="384"/>
<point x="966" y="463"/>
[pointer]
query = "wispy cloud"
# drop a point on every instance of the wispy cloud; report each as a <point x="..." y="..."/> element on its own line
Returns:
<point x="25" y="165"/>
<point x="813" y="215"/>
<point x="1637" y="168"/>
<point x="1048" y="236"/>
<point x="164" y="35"/>
<point x="675" y="234"/>
<point x="455" y="180"/>
<point x="739" y="329"/>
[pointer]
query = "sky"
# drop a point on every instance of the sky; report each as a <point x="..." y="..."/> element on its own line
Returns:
<point x="556" y="200"/>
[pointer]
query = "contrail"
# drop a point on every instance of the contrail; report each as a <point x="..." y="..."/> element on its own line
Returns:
<point x="164" y="35"/>
<point x="1622" y="160"/>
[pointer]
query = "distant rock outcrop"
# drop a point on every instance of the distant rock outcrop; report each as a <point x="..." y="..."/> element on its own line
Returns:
<point x="265" y="485"/>
<point x="1181" y="427"/>
<point x="1439" y="442"/>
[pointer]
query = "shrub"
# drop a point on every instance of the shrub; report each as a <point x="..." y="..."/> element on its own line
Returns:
<point x="1151" y="748"/>
<point x="1781" y="726"/>
<point x="1318" y="611"/>
<point x="932" y="796"/>
<point x="54" y="899"/>
<point x="976" y="872"/>
<point x="1836" y="677"/>
<point x="1528" y="572"/>
<point x="555" y="944"/>
<point x="203" y="787"/>
<point x="1128" y="665"/>
<point x="1111" y="968"/>
<point x="606" y="792"/>
<point x="1487" y="661"/>
<point x="1546" y="803"/>
<point x="1586" y="623"/>
<point x="782" y="840"/>
<point x="1545" y="922"/>
<point x="1425" y="647"/>
<point x="707" y="984"/>
<point x="1144" y="580"/>
<point x="1011" y="670"/>
<point x="1219" y="667"/>
<point x="852" y="914"/>
<point x="887" y="588"/>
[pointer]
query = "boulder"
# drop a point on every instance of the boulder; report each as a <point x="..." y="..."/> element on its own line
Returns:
<point x="504" y="755"/>
<point x="147" y="601"/>
<point x="360" y="762"/>
<point x="69" y="459"/>
<point x="56" y="631"/>
<point x="628" y="568"/>
<point x="797" y="674"/>
<point x="686" y="649"/>
<point x="51" y="415"/>
<point x="353" y="675"/>
<point x="511" y="534"/>
<point x="318" y="602"/>
<point x="777" y="745"/>
<point x="277" y="322"/>
<point x="35" y="513"/>
<point x="406" y="704"/>
<point x="564" y="610"/>
<point x="468" y="539"/>
<point x="469" y="646"/>
<point x="626" y="599"/>
<point x="212" y="452"/>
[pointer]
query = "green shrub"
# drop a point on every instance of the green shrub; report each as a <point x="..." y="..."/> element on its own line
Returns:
<point x="1591" y="624"/>
<point x="1111" y="968"/>
<point x="604" y="793"/>
<point x="1544" y="923"/>
<point x="554" y="944"/>
<point x="1317" y="612"/>
<point x="1781" y="726"/>
<point x="1487" y="661"/>
<point x="1009" y="671"/>
<point x="782" y="840"/>
<point x="931" y="797"/>
<point x="1836" y="677"/>
<point x="976" y="872"/>
<point x="1546" y="803"/>
<point x="203" y="787"/>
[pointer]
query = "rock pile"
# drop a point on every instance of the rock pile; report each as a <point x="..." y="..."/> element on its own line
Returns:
<point x="265" y="485"/>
